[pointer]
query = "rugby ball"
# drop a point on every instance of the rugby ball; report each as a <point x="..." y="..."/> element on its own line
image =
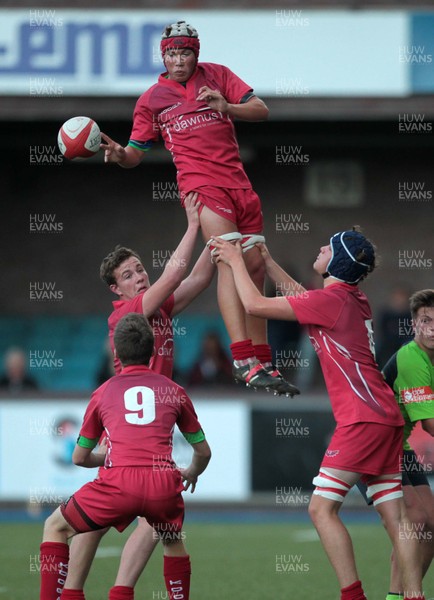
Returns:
<point x="79" y="137"/>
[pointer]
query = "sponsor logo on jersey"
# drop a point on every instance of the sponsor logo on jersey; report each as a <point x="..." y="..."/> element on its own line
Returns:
<point x="332" y="453"/>
<point x="197" y="120"/>
<point x="419" y="394"/>
<point x="167" y="348"/>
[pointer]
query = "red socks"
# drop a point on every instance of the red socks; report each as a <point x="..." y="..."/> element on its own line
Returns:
<point x="54" y="558"/>
<point x="177" y="571"/>
<point x="242" y="350"/>
<point x="353" y="592"/>
<point x="121" y="592"/>
<point x="263" y="353"/>
<point x="69" y="594"/>
<point x="245" y="350"/>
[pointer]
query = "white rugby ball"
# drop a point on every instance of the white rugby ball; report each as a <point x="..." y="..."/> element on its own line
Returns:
<point x="79" y="137"/>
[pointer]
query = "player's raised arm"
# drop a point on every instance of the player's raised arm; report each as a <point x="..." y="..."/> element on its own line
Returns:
<point x="199" y="279"/>
<point x="253" y="301"/>
<point x="127" y="157"/>
<point x="177" y="265"/>
<point x="277" y="274"/>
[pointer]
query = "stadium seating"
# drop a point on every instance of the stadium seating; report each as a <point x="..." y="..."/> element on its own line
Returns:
<point x="75" y="346"/>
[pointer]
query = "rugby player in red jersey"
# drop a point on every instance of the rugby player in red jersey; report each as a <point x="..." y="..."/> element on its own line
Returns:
<point x="192" y="106"/>
<point x="139" y="475"/>
<point x="367" y="442"/>
<point x="124" y="273"/>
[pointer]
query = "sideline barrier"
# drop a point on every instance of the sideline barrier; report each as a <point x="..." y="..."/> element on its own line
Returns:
<point x="267" y="448"/>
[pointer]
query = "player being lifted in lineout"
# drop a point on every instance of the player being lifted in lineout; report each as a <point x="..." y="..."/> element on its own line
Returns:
<point x="192" y="106"/>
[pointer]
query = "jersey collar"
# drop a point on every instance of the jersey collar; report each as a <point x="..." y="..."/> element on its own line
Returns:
<point x="118" y="303"/>
<point x="134" y="369"/>
<point x="162" y="79"/>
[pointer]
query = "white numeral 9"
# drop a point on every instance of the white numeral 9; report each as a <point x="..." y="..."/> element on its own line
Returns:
<point x="140" y="401"/>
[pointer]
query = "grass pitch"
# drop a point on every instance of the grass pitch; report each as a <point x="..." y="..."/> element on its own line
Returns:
<point x="230" y="561"/>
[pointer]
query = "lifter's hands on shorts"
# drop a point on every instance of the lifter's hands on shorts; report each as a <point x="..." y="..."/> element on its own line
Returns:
<point x="226" y="252"/>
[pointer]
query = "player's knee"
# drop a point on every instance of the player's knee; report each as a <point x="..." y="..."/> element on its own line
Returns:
<point x="170" y="542"/>
<point x="419" y="510"/>
<point x="54" y="524"/>
<point x="48" y="526"/>
<point x="419" y="517"/>
<point x="314" y="510"/>
<point x="171" y="537"/>
<point x="166" y="541"/>
<point x="321" y="510"/>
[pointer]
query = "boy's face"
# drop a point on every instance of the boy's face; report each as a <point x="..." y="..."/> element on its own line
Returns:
<point x="423" y="326"/>
<point x="180" y="64"/>
<point x="323" y="259"/>
<point x="131" y="279"/>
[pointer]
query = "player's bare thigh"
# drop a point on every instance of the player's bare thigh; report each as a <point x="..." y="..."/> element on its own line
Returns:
<point x="213" y="224"/>
<point x="348" y="476"/>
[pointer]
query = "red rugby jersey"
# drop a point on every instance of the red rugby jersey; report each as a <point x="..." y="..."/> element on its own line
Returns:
<point x="138" y="410"/>
<point x="201" y="140"/>
<point x="161" y="323"/>
<point x="340" y="329"/>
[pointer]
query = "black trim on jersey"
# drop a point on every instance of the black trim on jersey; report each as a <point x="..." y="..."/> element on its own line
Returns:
<point x="390" y="370"/>
<point x="246" y="97"/>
